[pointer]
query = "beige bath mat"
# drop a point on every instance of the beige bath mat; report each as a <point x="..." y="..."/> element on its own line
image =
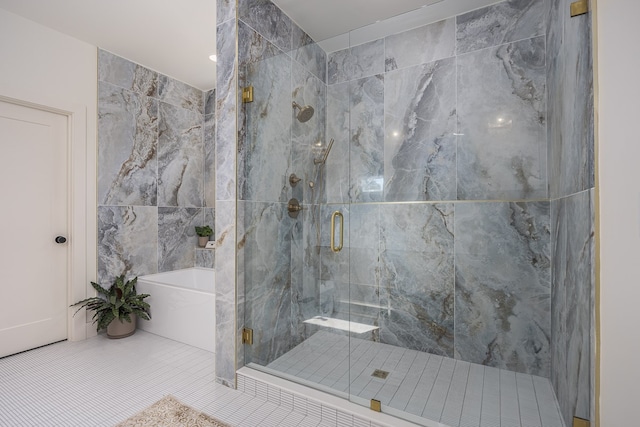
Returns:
<point x="170" y="412"/>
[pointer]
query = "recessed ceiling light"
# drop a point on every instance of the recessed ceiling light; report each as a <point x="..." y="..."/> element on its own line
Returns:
<point x="214" y="58"/>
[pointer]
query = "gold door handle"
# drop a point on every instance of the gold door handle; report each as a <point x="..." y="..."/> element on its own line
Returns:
<point x="335" y="248"/>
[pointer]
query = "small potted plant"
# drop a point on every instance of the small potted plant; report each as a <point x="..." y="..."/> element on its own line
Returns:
<point x="203" y="235"/>
<point x="116" y="308"/>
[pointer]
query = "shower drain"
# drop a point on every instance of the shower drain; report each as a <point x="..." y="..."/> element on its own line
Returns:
<point x="379" y="373"/>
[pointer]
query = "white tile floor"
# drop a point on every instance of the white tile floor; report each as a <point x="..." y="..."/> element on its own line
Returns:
<point x="452" y="392"/>
<point x="100" y="382"/>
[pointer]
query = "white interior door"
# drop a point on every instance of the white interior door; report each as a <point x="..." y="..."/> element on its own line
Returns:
<point x="33" y="178"/>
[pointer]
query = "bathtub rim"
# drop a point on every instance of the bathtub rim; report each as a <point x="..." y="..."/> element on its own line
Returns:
<point x="152" y="279"/>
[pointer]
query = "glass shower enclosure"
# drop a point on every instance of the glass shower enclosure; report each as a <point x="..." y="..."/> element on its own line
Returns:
<point x="397" y="209"/>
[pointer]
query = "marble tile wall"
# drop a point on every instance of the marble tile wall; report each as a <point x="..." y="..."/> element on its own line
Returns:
<point x="283" y="64"/>
<point x="572" y="303"/>
<point x="154" y="185"/>
<point x="229" y="297"/>
<point x="453" y="110"/>
<point x="571" y="189"/>
<point x="420" y="114"/>
<point x="454" y="114"/>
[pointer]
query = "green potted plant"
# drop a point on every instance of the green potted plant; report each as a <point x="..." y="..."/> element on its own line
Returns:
<point x="117" y="308"/>
<point x="203" y="235"/>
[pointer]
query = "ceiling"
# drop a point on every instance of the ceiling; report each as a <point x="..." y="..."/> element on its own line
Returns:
<point x="323" y="19"/>
<point x="176" y="37"/>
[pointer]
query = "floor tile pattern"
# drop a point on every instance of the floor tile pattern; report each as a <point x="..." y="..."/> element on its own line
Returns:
<point x="452" y="392"/>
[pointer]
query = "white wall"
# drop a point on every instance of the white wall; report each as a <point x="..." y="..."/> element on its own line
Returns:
<point x="45" y="67"/>
<point x="618" y="32"/>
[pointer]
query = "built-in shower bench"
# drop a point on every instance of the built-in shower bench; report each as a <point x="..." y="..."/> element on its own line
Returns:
<point x="341" y="325"/>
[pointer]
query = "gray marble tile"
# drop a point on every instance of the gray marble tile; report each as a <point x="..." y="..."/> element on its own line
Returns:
<point x="297" y="266"/>
<point x="266" y="243"/>
<point x="504" y="22"/>
<point x="225" y="10"/>
<point x="210" y="160"/>
<point x="127" y="145"/>
<point x="205" y="258"/>
<point x="180" y="157"/>
<point x="502" y="121"/>
<point x="416" y="277"/>
<point x="308" y="53"/>
<point x="421" y="45"/>
<point x="356" y="62"/>
<point x="210" y="102"/>
<point x="571" y="117"/>
<point x="267" y="19"/>
<point x="210" y="218"/>
<point x="502" y="296"/>
<point x="180" y="94"/>
<point x="225" y="266"/>
<point x="177" y="238"/>
<point x="337" y="166"/>
<point x="420" y="122"/>
<point x="127" y="241"/>
<point x="265" y="150"/>
<point x="307" y="138"/>
<point x="571" y="305"/>
<point x="253" y="47"/>
<point x="367" y="139"/>
<point x="126" y="74"/>
<point x="226" y="109"/>
<point x="227" y="347"/>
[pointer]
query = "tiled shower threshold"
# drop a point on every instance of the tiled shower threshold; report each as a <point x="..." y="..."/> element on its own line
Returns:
<point x="426" y="389"/>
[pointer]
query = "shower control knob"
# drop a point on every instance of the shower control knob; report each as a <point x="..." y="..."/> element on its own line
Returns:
<point x="294" y="208"/>
<point x="61" y="239"/>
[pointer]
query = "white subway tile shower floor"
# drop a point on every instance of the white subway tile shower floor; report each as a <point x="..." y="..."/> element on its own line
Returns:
<point x="430" y="387"/>
<point x="100" y="382"/>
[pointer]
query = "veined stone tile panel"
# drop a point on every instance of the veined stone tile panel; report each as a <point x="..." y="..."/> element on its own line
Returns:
<point x="308" y="138"/>
<point x="126" y="74"/>
<point x="225" y="10"/>
<point x="356" y="62"/>
<point x="421" y="45"/>
<point x="210" y="160"/>
<point x="420" y="122"/>
<point x="504" y="22"/>
<point x="127" y="147"/>
<point x="253" y="47"/>
<point x="266" y="246"/>
<point x="571" y="113"/>
<point x="180" y="94"/>
<point x="180" y="157"/>
<point x="226" y="104"/>
<point x="571" y="304"/>
<point x="265" y="151"/>
<point x="127" y="242"/>
<point x="503" y="273"/>
<point x="416" y="276"/>
<point x="308" y="53"/>
<point x="367" y="139"/>
<point x="337" y="165"/>
<point x="267" y="19"/>
<point x="502" y="121"/>
<point x="225" y="265"/>
<point x="177" y="238"/>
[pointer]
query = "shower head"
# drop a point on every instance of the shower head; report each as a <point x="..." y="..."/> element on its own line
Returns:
<point x="305" y="112"/>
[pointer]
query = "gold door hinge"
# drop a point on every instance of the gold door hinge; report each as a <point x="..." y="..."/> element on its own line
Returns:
<point x="579" y="7"/>
<point x="376" y="405"/>
<point x="247" y="336"/>
<point x="579" y="422"/>
<point x="247" y="94"/>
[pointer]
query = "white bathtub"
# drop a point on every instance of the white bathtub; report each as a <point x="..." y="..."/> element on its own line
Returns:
<point x="182" y="306"/>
